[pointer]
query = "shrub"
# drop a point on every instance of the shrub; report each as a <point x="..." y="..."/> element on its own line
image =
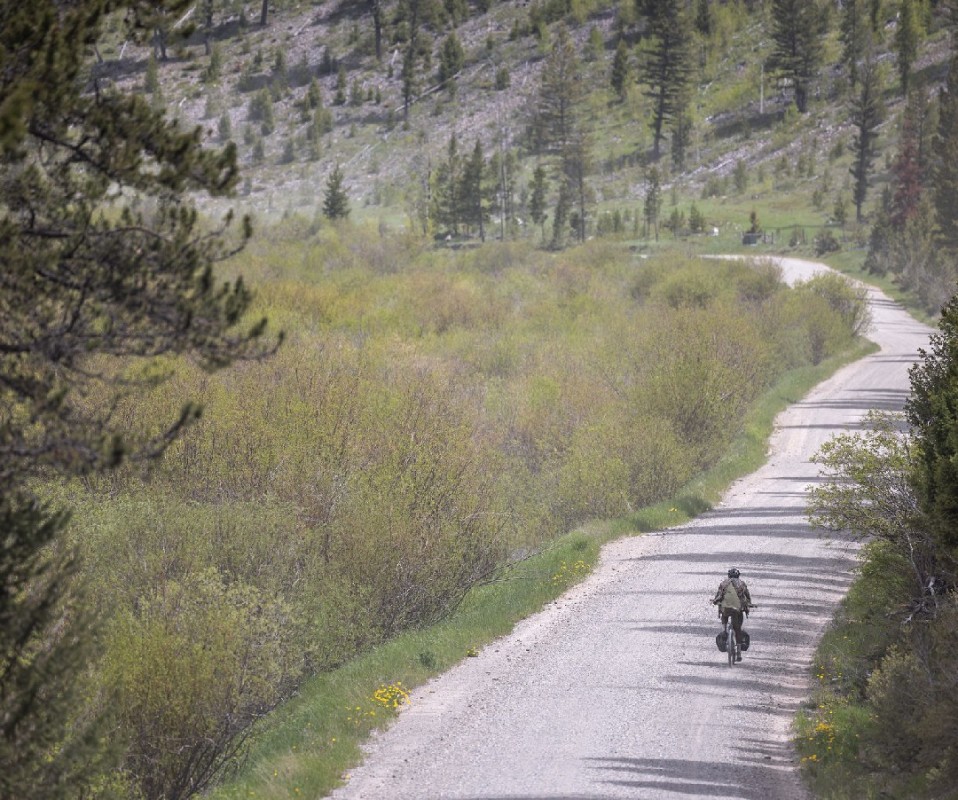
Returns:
<point x="826" y="243"/>
<point x="191" y="669"/>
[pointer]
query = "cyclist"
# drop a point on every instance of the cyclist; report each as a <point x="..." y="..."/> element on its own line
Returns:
<point x="733" y="599"/>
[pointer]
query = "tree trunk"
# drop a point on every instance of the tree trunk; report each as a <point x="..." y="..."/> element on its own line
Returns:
<point x="263" y="13"/>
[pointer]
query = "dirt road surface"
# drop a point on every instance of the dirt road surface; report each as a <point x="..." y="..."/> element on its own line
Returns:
<point x="617" y="690"/>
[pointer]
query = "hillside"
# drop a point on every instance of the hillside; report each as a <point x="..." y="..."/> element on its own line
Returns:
<point x="794" y="166"/>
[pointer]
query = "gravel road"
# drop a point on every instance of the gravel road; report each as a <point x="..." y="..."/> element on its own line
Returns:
<point x="617" y="690"/>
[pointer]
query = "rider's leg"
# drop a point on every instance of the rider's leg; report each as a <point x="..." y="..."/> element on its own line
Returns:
<point x="737" y="618"/>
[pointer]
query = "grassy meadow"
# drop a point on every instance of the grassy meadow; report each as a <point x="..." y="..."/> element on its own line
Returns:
<point x="432" y="420"/>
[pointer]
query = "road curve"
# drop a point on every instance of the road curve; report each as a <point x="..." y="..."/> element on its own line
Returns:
<point x="617" y="690"/>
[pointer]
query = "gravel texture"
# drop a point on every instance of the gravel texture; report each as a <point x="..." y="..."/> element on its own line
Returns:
<point x="617" y="690"/>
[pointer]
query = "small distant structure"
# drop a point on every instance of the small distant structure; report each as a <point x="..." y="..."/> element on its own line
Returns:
<point x="751" y="237"/>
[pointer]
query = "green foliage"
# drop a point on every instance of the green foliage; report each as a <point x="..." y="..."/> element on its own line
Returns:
<point x="215" y="69"/>
<point x="867" y="113"/>
<point x="261" y="111"/>
<point x="856" y="36"/>
<point x="931" y="412"/>
<point x="46" y="751"/>
<point x="151" y="79"/>
<point x="452" y="59"/>
<point x="113" y="248"/>
<point x="896" y="488"/>
<point x="667" y="67"/>
<point x="740" y="176"/>
<point x="907" y="35"/>
<point x="620" y="75"/>
<point x="798" y="31"/>
<point x="335" y="199"/>
<point x="696" y="219"/>
<point x="825" y="242"/>
<point x="196" y="662"/>
<point x="945" y="176"/>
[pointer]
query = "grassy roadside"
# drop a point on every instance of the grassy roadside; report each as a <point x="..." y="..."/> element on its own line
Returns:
<point x="833" y="723"/>
<point x="852" y="264"/>
<point x="836" y="721"/>
<point x="304" y="748"/>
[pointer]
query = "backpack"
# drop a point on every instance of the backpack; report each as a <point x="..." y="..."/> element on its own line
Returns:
<point x="721" y="640"/>
<point x="746" y="639"/>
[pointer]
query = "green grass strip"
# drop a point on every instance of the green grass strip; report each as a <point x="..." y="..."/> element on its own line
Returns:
<point x="304" y="748"/>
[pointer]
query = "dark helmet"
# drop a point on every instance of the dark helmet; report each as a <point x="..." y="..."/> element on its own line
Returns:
<point x="733" y="573"/>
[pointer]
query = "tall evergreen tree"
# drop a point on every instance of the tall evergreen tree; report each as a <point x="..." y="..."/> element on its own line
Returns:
<point x="473" y="192"/>
<point x="452" y="58"/>
<point x="576" y="163"/>
<point x="503" y="167"/>
<point x="559" y="126"/>
<point x="537" y="198"/>
<point x="561" y="93"/>
<point x="667" y="67"/>
<point x="906" y="42"/>
<point x="907" y="170"/>
<point x="945" y="167"/>
<point x="653" y="202"/>
<point x="91" y="276"/>
<point x="867" y="113"/>
<point x="335" y="198"/>
<point x="378" y="14"/>
<point x="855" y="34"/>
<point x="412" y="11"/>
<point x="447" y="202"/>
<point x="932" y="411"/>
<point x="798" y="29"/>
<point x="619" y="78"/>
<point x="561" y="216"/>
<point x="703" y="17"/>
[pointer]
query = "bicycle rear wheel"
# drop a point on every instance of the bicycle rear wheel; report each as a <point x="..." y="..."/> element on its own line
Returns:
<point x="732" y="642"/>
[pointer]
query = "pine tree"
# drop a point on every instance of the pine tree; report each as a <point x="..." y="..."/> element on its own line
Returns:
<point x="907" y="171"/>
<point x="932" y="411"/>
<point x="945" y="171"/>
<point x="575" y="167"/>
<point x="619" y="78"/>
<point x="340" y="97"/>
<point x="799" y="27"/>
<point x="537" y="199"/>
<point x="703" y="17"/>
<point x="473" y="192"/>
<point x="452" y="59"/>
<point x="668" y="67"/>
<point x="447" y="204"/>
<point x="906" y="43"/>
<point x="89" y="269"/>
<point x="868" y="112"/>
<point x="560" y="129"/>
<point x="335" y="199"/>
<point x="44" y="752"/>
<point x="412" y="11"/>
<point x="561" y="93"/>
<point x="561" y="217"/>
<point x="855" y="34"/>
<point x="653" y="202"/>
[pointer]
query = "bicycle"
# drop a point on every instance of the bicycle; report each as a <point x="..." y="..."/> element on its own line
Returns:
<point x="732" y="644"/>
<point x="733" y="647"/>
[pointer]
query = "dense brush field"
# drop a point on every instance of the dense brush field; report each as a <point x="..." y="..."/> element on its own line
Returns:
<point x="431" y="417"/>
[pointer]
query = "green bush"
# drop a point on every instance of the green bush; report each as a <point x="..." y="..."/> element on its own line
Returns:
<point x="189" y="670"/>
